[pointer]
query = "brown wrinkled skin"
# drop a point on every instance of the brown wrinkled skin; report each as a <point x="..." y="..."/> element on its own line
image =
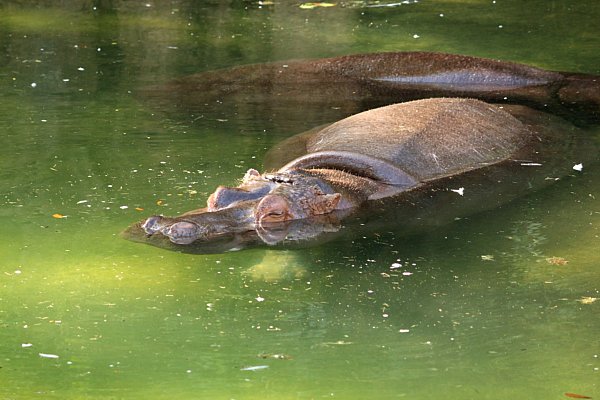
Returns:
<point x="326" y="172"/>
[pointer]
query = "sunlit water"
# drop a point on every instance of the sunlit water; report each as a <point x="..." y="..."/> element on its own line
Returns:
<point x="498" y="305"/>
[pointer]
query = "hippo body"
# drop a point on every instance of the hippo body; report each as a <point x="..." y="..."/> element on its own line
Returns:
<point x="431" y="156"/>
<point x="401" y="152"/>
<point x="324" y="90"/>
<point x="426" y="139"/>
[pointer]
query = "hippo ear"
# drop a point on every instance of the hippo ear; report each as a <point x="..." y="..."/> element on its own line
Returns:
<point x="250" y="174"/>
<point x="323" y="204"/>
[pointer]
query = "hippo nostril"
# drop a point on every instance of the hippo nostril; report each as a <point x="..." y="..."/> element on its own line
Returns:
<point x="152" y="225"/>
<point x="183" y="232"/>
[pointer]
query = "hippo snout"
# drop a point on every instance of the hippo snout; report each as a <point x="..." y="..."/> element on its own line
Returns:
<point x="179" y="232"/>
<point x="183" y="232"/>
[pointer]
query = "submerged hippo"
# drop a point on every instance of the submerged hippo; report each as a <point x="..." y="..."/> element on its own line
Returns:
<point x="313" y="92"/>
<point x="407" y="158"/>
<point x="388" y="152"/>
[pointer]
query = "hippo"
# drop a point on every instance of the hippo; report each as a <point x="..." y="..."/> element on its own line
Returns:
<point x="432" y="129"/>
<point x="388" y="152"/>
<point x="308" y="93"/>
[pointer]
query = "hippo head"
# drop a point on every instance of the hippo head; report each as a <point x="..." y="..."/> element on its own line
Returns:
<point x="271" y="206"/>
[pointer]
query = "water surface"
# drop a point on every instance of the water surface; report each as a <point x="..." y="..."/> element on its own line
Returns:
<point x="498" y="305"/>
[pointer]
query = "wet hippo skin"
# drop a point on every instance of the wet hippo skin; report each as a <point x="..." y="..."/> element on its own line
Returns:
<point x="400" y="154"/>
<point x="402" y="158"/>
<point x="325" y="90"/>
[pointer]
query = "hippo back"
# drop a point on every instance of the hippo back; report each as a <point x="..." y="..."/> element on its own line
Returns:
<point x="429" y="138"/>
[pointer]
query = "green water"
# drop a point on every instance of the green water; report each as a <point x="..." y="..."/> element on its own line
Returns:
<point x="471" y="310"/>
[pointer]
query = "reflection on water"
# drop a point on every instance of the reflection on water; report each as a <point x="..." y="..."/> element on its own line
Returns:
<point x="528" y="237"/>
<point x="276" y="266"/>
<point x="471" y="309"/>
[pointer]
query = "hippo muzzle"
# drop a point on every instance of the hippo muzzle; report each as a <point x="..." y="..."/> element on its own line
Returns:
<point x="265" y="204"/>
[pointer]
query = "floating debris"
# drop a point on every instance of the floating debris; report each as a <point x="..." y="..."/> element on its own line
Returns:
<point x="460" y="191"/>
<point x="58" y="216"/>
<point x="587" y="300"/>
<point x="254" y="368"/>
<point x="276" y="356"/>
<point x="310" y="6"/>
<point x="396" y="4"/>
<point x="578" y="167"/>
<point x="46" y="355"/>
<point x="487" y="257"/>
<point x="557" y="261"/>
<point x="338" y="343"/>
<point x="577" y="396"/>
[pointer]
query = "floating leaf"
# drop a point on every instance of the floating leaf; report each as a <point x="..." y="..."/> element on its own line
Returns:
<point x="58" y="216"/>
<point x="577" y="396"/>
<point x="587" y="300"/>
<point x="139" y="209"/>
<point x="310" y="6"/>
<point x="556" y="261"/>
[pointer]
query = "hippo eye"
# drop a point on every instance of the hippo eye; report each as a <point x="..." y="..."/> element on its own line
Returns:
<point x="274" y="216"/>
<point x="279" y="179"/>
